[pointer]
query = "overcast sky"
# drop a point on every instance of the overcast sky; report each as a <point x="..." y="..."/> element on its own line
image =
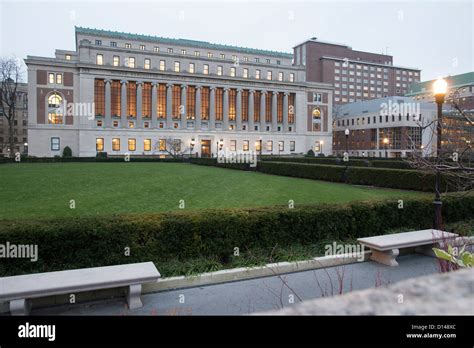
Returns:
<point x="435" y="36"/>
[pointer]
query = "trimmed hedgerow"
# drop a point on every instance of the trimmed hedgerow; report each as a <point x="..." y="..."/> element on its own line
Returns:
<point x="356" y="162"/>
<point x="98" y="241"/>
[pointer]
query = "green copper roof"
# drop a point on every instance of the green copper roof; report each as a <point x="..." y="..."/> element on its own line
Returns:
<point x="184" y="42"/>
<point x="455" y="81"/>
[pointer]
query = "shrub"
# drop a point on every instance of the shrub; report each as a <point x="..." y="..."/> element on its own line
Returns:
<point x="310" y="153"/>
<point x="67" y="152"/>
<point x="69" y="243"/>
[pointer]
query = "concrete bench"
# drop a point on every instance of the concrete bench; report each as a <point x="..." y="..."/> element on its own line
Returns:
<point x="18" y="290"/>
<point x="385" y="248"/>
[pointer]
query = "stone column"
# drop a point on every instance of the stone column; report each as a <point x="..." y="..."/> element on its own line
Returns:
<point x="169" y="108"/>
<point x="251" y="110"/>
<point x="123" y="105"/>
<point x="182" y="108"/>
<point x="212" y="108"/>
<point x="238" y="110"/>
<point x="197" y="121"/>
<point x="274" y="111"/>
<point x="108" y="105"/>
<point x="225" y="116"/>
<point x="263" y="96"/>
<point x="285" y="112"/>
<point x="154" y="104"/>
<point x="139" y="104"/>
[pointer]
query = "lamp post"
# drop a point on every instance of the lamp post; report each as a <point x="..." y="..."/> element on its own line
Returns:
<point x="25" y="149"/>
<point x="346" y="154"/>
<point x="439" y="90"/>
<point x="346" y="133"/>
<point x="191" y="147"/>
<point x="385" y="145"/>
<point x="321" y="143"/>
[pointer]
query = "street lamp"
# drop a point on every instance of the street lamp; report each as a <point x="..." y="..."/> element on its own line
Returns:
<point x="440" y="87"/>
<point x="25" y="149"/>
<point x="385" y="143"/>
<point x="346" y="133"/>
<point x="191" y="146"/>
<point x="346" y="154"/>
<point x="321" y="143"/>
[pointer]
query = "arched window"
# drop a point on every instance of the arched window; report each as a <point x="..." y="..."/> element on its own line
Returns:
<point x="55" y="109"/>
<point x="316" y="114"/>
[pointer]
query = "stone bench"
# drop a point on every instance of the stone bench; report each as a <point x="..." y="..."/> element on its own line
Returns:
<point x="385" y="248"/>
<point x="18" y="290"/>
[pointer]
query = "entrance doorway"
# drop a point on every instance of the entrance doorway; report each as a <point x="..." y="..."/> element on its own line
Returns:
<point x="206" y="148"/>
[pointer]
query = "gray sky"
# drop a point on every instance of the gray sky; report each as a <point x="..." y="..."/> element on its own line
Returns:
<point x="435" y="36"/>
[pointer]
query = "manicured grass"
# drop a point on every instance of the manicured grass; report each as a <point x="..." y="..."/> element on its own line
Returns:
<point x="45" y="190"/>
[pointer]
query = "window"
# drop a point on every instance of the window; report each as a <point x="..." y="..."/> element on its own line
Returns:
<point x="292" y="146"/>
<point x="68" y="57"/>
<point x="98" y="42"/>
<point x="270" y="145"/>
<point x="55" y="109"/>
<point x="116" y="144"/>
<point x="146" y="144"/>
<point x="131" y="62"/>
<point x="245" y="145"/>
<point x="147" y="64"/>
<point x="131" y="99"/>
<point x="246" y="59"/>
<point x="268" y="61"/>
<point x="128" y="45"/>
<point x="257" y="74"/>
<point x="116" y="97"/>
<point x="176" y="66"/>
<point x="59" y="79"/>
<point x="233" y="145"/>
<point x="258" y="144"/>
<point x="99" y="97"/>
<point x="162" y="65"/>
<point x="169" y="50"/>
<point x="232" y="72"/>
<point x="269" y="75"/>
<point x="131" y="124"/>
<point x="176" y="101"/>
<point x="99" y="144"/>
<point x="51" y="78"/>
<point x="146" y="100"/>
<point x="197" y="53"/>
<point x="257" y="60"/>
<point x="55" y="144"/>
<point x="205" y="70"/>
<point x="183" y="52"/>
<point x="116" y="61"/>
<point x="280" y="76"/>
<point x="232" y="104"/>
<point x="142" y="47"/>
<point x="222" y="56"/>
<point x="156" y="49"/>
<point x="210" y="55"/>
<point x="281" y="146"/>
<point x="191" y="68"/>
<point x="245" y="105"/>
<point x="162" y="145"/>
<point x="280" y="107"/>
<point x="256" y="106"/>
<point x="219" y="70"/>
<point x="161" y="102"/>
<point x="132" y="144"/>
<point x="191" y="103"/>
<point x="113" y="44"/>
<point x="246" y="73"/>
<point x="317" y="97"/>
<point x="219" y="103"/>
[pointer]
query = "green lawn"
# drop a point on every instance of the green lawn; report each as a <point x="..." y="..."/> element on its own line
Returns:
<point x="45" y="190"/>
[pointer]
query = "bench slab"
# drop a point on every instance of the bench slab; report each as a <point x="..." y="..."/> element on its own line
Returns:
<point x="18" y="289"/>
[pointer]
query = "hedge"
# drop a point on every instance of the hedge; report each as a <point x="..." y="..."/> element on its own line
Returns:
<point x="91" y="159"/>
<point x="381" y="177"/>
<point x="69" y="243"/>
<point x="357" y="162"/>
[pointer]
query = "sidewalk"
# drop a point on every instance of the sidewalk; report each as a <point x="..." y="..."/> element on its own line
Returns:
<point x="258" y="295"/>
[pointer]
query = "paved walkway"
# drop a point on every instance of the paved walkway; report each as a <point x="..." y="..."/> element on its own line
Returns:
<point x="257" y="295"/>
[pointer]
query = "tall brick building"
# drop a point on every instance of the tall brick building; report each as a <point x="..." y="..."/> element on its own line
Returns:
<point x="356" y="75"/>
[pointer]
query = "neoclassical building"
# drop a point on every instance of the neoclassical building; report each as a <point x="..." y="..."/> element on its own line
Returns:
<point x="135" y="94"/>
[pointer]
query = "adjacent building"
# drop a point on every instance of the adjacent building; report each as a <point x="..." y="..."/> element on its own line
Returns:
<point x="385" y="127"/>
<point x="124" y="93"/>
<point x="355" y="75"/>
<point x="20" y="124"/>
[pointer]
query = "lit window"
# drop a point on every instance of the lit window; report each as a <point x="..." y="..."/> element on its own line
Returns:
<point x="269" y="145"/>
<point x="206" y="69"/>
<point x="245" y="145"/>
<point x="68" y="57"/>
<point x="162" y="145"/>
<point x="246" y="59"/>
<point x="99" y="59"/>
<point x="183" y="52"/>
<point x="246" y="73"/>
<point x="170" y="50"/>
<point x="281" y="145"/>
<point x="142" y="47"/>
<point x="132" y="144"/>
<point x="55" y="109"/>
<point x="316" y="114"/>
<point x="99" y="144"/>
<point x="51" y="77"/>
<point x="210" y="55"/>
<point x="131" y="124"/>
<point x="232" y="72"/>
<point x="116" y="61"/>
<point x="147" y="63"/>
<point x="233" y="145"/>
<point x="197" y="53"/>
<point x="147" y="145"/>
<point x="162" y="65"/>
<point x="176" y="66"/>
<point x="257" y="74"/>
<point x="59" y="79"/>
<point x="156" y="49"/>
<point x="191" y="68"/>
<point x="280" y="76"/>
<point x="128" y="45"/>
<point x="131" y="62"/>
<point x="222" y="56"/>
<point x="219" y="70"/>
<point x="116" y="144"/>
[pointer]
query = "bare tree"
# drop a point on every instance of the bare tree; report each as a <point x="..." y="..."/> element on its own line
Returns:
<point x="453" y="161"/>
<point x="10" y="77"/>
<point x="174" y="147"/>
